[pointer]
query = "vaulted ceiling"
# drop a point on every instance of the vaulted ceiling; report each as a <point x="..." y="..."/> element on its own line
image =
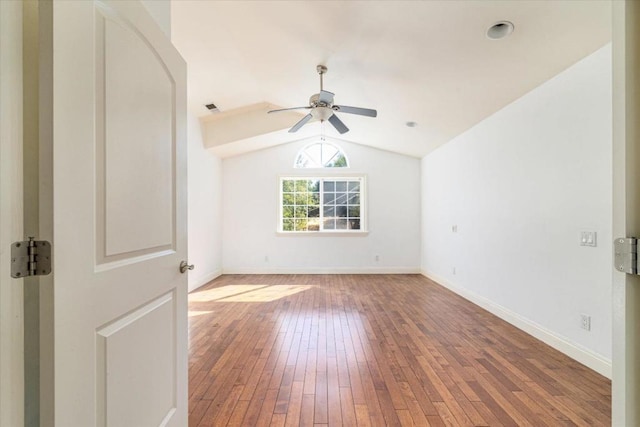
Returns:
<point x="429" y="62"/>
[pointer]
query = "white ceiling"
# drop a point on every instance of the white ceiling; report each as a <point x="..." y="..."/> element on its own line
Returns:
<point x="423" y="61"/>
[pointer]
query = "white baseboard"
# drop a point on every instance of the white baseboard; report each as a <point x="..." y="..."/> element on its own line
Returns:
<point x="575" y="351"/>
<point x="201" y="281"/>
<point x="325" y="270"/>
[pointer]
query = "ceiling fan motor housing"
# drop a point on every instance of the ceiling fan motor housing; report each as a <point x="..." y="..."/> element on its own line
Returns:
<point x="314" y="101"/>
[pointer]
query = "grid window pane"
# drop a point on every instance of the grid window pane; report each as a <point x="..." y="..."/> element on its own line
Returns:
<point x="287" y="211"/>
<point x="287" y="185"/>
<point x="329" y="198"/>
<point x="317" y="204"/>
<point x="287" y="199"/>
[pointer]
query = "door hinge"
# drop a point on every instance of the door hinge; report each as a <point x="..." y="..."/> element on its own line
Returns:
<point x="30" y="258"/>
<point x="626" y="255"/>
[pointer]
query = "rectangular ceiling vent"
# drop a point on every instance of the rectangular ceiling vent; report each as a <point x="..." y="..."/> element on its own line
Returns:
<point x="212" y="108"/>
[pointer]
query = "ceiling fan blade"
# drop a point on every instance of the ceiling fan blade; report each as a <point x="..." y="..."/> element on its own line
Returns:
<point x="301" y="123"/>
<point x="325" y="97"/>
<point x="287" y="109"/>
<point x="356" y="110"/>
<point x="337" y="123"/>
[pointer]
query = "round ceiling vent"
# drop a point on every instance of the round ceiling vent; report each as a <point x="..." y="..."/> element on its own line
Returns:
<point x="500" y="30"/>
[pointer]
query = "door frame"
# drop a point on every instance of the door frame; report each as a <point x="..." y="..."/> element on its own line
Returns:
<point x="626" y="166"/>
<point x="626" y="209"/>
<point x="11" y="214"/>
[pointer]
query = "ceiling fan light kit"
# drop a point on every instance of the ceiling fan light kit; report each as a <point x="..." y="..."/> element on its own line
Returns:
<point x="323" y="109"/>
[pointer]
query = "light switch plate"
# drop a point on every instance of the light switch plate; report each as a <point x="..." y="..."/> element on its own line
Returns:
<point x="588" y="238"/>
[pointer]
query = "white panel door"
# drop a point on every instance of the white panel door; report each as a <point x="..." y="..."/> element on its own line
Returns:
<point x="119" y="215"/>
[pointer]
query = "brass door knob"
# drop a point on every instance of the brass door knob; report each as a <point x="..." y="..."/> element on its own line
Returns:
<point x="184" y="267"/>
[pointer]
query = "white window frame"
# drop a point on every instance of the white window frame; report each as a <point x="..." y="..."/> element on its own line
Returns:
<point x="322" y="177"/>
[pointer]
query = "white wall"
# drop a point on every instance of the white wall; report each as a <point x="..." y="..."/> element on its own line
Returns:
<point x="520" y="186"/>
<point x="205" y="215"/>
<point x="250" y="216"/>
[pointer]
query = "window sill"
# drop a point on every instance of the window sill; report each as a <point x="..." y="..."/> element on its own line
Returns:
<point x="323" y="233"/>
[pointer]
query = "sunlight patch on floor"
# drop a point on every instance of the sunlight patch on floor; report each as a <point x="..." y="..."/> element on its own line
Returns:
<point x="216" y="294"/>
<point x="194" y="313"/>
<point x="245" y="293"/>
<point x="268" y="293"/>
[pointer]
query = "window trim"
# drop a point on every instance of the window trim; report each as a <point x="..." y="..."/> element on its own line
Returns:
<point x="364" y="213"/>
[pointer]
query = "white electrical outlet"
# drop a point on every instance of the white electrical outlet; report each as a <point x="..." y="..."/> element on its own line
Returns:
<point x="453" y="270"/>
<point x="377" y="257"/>
<point x="266" y="258"/>
<point x="454" y="228"/>
<point x="585" y="322"/>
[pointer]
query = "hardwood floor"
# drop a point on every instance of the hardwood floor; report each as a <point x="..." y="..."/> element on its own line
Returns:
<point x="373" y="350"/>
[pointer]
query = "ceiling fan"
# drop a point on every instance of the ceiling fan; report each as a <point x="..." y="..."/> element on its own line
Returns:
<point x="322" y="108"/>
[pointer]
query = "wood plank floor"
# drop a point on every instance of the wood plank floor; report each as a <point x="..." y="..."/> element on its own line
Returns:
<point x="373" y="350"/>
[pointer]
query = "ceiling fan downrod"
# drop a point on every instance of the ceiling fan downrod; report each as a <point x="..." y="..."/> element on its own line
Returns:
<point x="321" y="70"/>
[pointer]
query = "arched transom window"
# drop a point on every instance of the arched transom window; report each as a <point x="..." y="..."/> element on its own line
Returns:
<point x="321" y="155"/>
